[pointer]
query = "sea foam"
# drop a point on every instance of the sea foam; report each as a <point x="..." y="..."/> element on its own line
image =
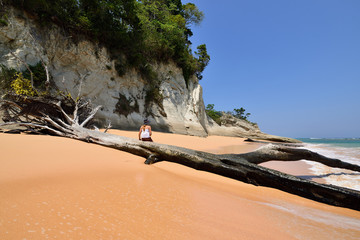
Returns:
<point x="336" y="176"/>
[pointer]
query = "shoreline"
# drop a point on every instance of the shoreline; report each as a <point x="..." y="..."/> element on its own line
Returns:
<point x="62" y="188"/>
<point x="299" y="168"/>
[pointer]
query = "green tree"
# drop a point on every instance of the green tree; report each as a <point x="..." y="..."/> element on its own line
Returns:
<point x="136" y="32"/>
<point x="163" y="31"/>
<point x="240" y="113"/>
<point x="211" y="112"/>
<point x="202" y="60"/>
<point x="192" y="14"/>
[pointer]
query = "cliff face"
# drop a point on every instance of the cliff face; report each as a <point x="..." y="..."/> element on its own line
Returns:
<point x="86" y="66"/>
<point x="122" y="97"/>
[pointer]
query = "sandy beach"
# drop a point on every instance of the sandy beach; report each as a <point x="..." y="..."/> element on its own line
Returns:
<point x="58" y="188"/>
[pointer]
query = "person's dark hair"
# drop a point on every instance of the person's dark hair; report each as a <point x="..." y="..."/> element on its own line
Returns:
<point x="146" y="121"/>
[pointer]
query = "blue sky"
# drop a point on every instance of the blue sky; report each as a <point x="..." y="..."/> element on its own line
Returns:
<point x="293" y="64"/>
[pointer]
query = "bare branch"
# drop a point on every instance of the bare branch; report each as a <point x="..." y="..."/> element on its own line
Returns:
<point x="34" y="125"/>
<point x="75" y="114"/>
<point x="86" y="103"/>
<point x="108" y="127"/>
<point x="77" y="100"/>
<point x="93" y="112"/>
<point x="67" y="117"/>
<point x="62" y="123"/>
<point x="56" y="125"/>
<point x="80" y="85"/>
<point x="47" y="83"/>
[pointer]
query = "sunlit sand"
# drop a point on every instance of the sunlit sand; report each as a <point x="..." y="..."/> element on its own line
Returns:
<point x="58" y="188"/>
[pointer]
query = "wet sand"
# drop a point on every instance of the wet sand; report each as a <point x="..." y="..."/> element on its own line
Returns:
<point x="57" y="188"/>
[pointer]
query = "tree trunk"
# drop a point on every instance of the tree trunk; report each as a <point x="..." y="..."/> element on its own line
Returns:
<point x="49" y="115"/>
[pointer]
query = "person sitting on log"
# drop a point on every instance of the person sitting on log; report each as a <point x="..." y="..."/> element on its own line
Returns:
<point x="145" y="132"/>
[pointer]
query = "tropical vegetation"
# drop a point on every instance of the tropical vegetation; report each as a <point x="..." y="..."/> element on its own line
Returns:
<point x="136" y="32"/>
<point x="30" y="82"/>
<point x="216" y="115"/>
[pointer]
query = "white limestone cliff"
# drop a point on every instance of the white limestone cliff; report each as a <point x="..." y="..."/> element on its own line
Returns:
<point x="122" y="97"/>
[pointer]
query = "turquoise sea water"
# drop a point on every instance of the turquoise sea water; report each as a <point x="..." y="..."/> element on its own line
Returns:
<point x="336" y="142"/>
<point x="345" y="149"/>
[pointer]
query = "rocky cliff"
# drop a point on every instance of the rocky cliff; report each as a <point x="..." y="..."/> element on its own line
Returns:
<point x="86" y="67"/>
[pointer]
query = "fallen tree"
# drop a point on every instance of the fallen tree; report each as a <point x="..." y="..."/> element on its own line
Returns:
<point x="72" y="118"/>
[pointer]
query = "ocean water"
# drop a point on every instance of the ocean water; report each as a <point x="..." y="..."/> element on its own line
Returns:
<point x="345" y="149"/>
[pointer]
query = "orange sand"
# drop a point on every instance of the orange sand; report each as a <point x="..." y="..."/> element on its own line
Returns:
<point x="57" y="188"/>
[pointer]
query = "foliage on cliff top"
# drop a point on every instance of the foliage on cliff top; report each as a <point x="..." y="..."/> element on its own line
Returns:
<point x="144" y="30"/>
<point x="237" y="113"/>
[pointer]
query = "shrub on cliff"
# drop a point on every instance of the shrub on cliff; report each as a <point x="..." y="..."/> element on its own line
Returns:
<point x="19" y="83"/>
<point x="211" y="112"/>
<point x="22" y="86"/>
<point x="238" y="113"/>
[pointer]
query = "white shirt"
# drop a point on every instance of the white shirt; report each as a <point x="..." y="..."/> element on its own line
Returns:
<point x="145" y="133"/>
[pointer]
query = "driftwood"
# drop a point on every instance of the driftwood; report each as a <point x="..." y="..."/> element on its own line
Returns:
<point x="70" y="118"/>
